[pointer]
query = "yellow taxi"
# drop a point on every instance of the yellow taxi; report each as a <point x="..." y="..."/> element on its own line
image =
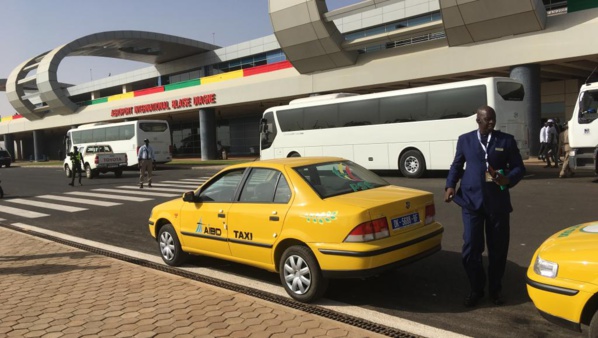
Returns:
<point x="309" y="219"/>
<point x="562" y="279"/>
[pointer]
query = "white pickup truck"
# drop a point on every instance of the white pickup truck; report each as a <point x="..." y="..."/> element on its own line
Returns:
<point x="98" y="159"/>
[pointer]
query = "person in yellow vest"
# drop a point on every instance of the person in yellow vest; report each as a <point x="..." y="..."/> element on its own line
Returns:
<point x="76" y="161"/>
<point x="145" y="157"/>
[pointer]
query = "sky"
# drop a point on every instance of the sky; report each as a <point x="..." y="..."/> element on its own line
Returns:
<point x="31" y="28"/>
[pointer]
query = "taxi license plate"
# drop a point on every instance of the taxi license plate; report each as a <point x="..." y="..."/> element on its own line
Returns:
<point x="404" y="221"/>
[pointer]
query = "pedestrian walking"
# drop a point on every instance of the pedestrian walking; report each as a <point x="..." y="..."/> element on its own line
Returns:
<point x="552" y="142"/>
<point x="488" y="164"/>
<point x="145" y="157"/>
<point x="543" y="139"/>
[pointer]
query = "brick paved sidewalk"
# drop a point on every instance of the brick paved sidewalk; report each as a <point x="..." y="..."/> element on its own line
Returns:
<point x="52" y="290"/>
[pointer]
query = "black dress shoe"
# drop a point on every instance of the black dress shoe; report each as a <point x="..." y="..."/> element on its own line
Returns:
<point x="472" y="299"/>
<point x="497" y="298"/>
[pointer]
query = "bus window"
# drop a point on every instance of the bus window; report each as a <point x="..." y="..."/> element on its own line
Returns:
<point x="455" y="103"/>
<point x="358" y="113"/>
<point x="510" y="91"/>
<point x="321" y="117"/>
<point x="291" y="119"/>
<point x="403" y="108"/>
<point x="153" y="126"/>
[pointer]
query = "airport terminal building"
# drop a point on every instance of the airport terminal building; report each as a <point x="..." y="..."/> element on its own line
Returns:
<point x="211" y="94"/>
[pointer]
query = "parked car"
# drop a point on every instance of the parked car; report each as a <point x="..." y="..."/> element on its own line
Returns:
<point x="5" y="158"/>
<point x="562" y="279"/>
<point x="308" y="219"/>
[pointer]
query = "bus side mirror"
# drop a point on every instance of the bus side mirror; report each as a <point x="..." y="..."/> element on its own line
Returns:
<point x="263" y="125"/>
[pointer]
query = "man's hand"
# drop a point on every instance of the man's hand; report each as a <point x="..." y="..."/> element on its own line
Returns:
<point x="500" y="179"/>
<point x="448" y="195"/>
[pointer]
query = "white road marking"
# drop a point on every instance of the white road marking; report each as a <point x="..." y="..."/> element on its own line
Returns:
<point x="79" y="200"/>
<point x="22" y="212"/>
<point x="46" y="205"/>
<point x="140" y="192"/>
<point x="152" y="188"/>
<point x="195" y="179"/>
<point x="110" y="196"/>
<point x="182" y="186"/>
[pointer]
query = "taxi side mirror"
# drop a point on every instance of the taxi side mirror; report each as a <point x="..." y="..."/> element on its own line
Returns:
<point x="189" y="196"/>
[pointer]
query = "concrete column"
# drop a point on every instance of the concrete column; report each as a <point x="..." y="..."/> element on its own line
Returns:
<point x="207" y="133"/>
<point x="36" y="145"/>
<point x="529" y="75"/>
<point x="19" y="154"/>
<point x="9" y="143"/>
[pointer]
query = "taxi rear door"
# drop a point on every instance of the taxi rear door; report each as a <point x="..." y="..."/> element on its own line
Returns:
<point x="256" y="219"/>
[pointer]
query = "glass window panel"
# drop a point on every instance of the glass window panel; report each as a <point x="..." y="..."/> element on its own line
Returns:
<point x="112" y="134"/>
<point x="223" y="189"/>
<point x="126" y="132"/>
<point x="358" y="113"/>
<point x="260" y="186"/>
<point x="283" y="191"/>
<point x="455" y="103"/>
<point x="291" y="119"/>
<point x="321" y="117"/>
<point x="99" y="135"/>
<point x="404" y="108"/>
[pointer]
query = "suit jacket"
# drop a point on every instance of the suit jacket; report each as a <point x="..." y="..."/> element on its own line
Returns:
<point x="474" y="192"/>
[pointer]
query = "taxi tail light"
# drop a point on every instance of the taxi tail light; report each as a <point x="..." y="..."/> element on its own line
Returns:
<point x="369" y="231"/>
<point x="430" y="213"/>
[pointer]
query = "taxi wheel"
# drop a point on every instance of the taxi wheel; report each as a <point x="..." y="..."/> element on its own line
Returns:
<point x="593" y="330"/>
<point x="170" y="247"/>
<point x="300" y="274"/>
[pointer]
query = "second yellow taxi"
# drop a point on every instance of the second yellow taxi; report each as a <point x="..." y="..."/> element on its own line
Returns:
<point x="309" y="219"/>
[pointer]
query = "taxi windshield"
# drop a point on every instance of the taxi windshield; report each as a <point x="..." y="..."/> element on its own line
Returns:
<point x="338" y="178"/>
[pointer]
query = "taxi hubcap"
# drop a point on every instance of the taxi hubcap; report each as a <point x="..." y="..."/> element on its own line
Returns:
<point x="167" y="246"/>
<point x="297" y="275"/>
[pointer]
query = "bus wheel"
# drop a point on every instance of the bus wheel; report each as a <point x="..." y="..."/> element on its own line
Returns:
<point x="294" y="154"/>
<point x="118" y="173"/>
<point x="68" y="171"/>
<point x="412" y="164"/>
<point x="88" y="171"/>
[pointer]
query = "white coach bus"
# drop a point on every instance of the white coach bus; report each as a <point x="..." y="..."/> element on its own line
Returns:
<point x="412" y="130"/>
<point x="125" y="137"/>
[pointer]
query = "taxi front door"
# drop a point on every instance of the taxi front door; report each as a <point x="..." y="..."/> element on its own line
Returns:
<point x="203" y="223"/>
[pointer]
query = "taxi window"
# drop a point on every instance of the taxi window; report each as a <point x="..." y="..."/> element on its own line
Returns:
<point x="265" y="186"/>
<point x="338" y="178"/>
<point x="223" y="188"/>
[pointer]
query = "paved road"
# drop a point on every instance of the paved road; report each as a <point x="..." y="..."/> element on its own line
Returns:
<point x="428" y="292"/>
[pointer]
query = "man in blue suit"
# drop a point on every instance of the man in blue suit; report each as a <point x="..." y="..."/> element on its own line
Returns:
<point x="494" y="165"/>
